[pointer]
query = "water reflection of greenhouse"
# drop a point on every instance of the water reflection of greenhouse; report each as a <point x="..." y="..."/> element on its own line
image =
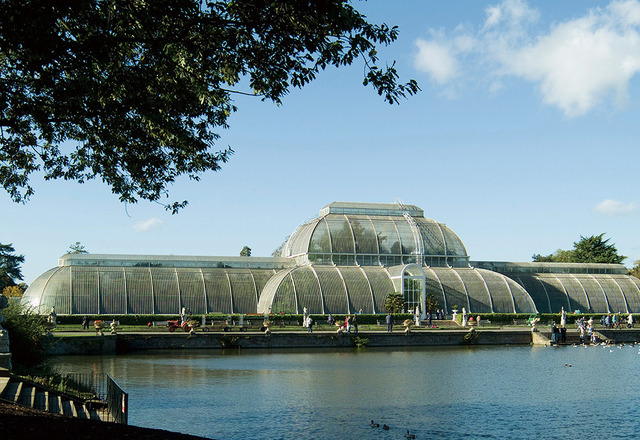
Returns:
<point x="347" y="259"/>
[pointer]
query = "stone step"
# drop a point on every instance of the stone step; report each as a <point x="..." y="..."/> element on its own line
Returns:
<point x="65" y="404"/>
<point x="94" y="414"/>
<point x="40" y="399"/>
<point x="11" y="391"/>
<point x="79" y="410"/>
<point x="54" y="404"/>
<point x="24" y="394"/>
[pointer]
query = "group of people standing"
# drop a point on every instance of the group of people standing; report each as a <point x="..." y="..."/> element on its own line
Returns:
<point x="615" y="321"/>
<point x="350" y="323"/>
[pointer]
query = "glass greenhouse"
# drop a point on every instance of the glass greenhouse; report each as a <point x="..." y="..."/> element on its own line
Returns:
<point x="346" y="260"/>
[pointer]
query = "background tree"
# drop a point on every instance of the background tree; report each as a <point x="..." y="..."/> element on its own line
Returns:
<point x="593" y="249"/>
<point x="394" y="302"/>
<point x="137" y="91"/>
<point x="559" y="256"/>
<point x="77" y="248"/>
<point x="14" y="291"/>
<point x="277" y="252"/>
<point x="245" y="252"/>
<point x="10" y="271"/>
<point x="635" y="271"/>
<point x="596" y="250"/>
<point x="432" y="303"/>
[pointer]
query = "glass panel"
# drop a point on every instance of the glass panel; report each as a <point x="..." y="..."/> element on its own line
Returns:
<point x="614" y="295"/>
<point x="597" y="299"/>
<point x="433" y="288"/>
<point x="260" y="277"/>
<point x="576" y="294"/>
<point x="335" y="295"/>
<point x="245" y="299"/>
<point x="300" y="241"/>
<point x="57" y="293"/>
<point x="454" y="244"/>
<point x="536" y="290"/>
<point x="218" y="293"/>
<point x="431" y="236"/>
<point x="112" y="291"/>
<point x="358" y="288"/>
<point x="557" y="297"/>
<point x="139" y="290"/>
<point x="453" y="288"/>
<point x="85" y="290"/>
<point x="498" y="289"/>
<point x="165" y="289"/>
<point x="381" y="285"/>
<point x="320" y="242"/>
<point x="524" y="302"/>
<point x="284" y="300"/>
<point x="307" y="289"/>
<point x="191" y="290"/>
<point x="387" y="236"/>
<point x="479" y="297"/>
<point x="407" y="240"/>
<point x="341" y="235"/>
<point x="366" y="241"/>
<point x="630" y="291"/>
<point x="412" y="292"/>
<point x="34" y="293"/>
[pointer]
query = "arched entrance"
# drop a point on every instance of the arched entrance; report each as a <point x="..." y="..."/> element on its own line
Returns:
<point x="410" y="280"/>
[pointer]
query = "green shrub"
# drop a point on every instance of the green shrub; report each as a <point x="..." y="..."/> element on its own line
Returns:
<point x="28" y="341"/>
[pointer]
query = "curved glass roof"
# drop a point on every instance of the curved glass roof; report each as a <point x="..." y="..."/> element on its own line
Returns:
<point x="478" y="290"/>
<point x="375" y="234"/>
<point x="327" y="289"/>
<point x="345" y="289"/>
<point x="589" y="293"/>
<point x="146" y="290"/>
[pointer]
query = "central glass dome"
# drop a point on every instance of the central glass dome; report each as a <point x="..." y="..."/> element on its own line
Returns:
<point x="371" y="234"/>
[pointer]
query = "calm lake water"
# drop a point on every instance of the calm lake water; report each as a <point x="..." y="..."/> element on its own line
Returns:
<point x="437" y="393"/>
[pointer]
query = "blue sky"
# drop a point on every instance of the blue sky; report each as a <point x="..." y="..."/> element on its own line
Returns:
<point x="523" y="138"/>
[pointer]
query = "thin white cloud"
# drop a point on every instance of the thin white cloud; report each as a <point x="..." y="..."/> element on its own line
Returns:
<point x="436" y="59"/>
<point x="494" y="14"/>
<point x="613" y="207"/>
<point x="144" y="226"/>
<point x="577" y="64"/>
<point x="514" y="13"/>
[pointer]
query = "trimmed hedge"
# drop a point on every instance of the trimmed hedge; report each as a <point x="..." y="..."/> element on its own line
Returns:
<point x="141" y="320"/>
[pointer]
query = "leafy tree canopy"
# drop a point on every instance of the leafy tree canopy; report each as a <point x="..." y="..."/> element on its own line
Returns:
<point x="10" y="271"/>
<point x="394" y="302"/>
<point x="245" y="252"/>
<point x="77" y="248"/>
<point x="593" y="249"/>
<point x="134" y="92"/>
<point x="14" y="291"/>
<point x="635" y="271"/>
